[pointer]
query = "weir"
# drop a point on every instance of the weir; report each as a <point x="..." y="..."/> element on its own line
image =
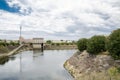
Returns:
<point x="12" y="52"/>
<point x="15" y="50"/>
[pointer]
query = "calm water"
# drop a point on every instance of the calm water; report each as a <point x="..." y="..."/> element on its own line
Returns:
<point x="36" y="65"/>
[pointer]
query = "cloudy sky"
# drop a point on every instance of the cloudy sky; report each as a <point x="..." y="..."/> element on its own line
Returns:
<point x="58" y="19"/>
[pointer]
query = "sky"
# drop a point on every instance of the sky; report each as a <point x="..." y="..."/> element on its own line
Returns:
<point x="58" y="19"/>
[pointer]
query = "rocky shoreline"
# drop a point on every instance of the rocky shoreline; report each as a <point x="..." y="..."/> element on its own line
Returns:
<point x="83" y="66"/>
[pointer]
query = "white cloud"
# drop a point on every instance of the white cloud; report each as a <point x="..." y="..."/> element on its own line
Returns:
<point x="63" y="18"/>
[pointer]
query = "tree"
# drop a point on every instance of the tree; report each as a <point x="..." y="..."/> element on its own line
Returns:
<point x="58" y="44"/>
<point x="12" y="43"/>
<point x="48" y="41"/>
<point x="96" y="44"/>
<point x="114" y="44"/>
<point x="2" y="43"/>
<point x="82" y="44"/>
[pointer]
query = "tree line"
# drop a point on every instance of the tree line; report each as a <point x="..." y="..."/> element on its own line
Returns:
<point x="62" y="43"/>
<point x="12" y="43"/>
<point x="100" y="43"/>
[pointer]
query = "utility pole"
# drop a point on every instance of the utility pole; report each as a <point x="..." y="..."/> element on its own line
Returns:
<point x="20" y="34"/>
<point x="20" y="53"/>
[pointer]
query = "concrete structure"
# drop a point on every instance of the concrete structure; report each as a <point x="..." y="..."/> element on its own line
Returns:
<point x="38" y="43"/>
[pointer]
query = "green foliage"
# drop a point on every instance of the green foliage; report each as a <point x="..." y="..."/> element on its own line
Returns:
<point x="3" y="60"/>
<point x="67" y="43"/>
<point x="58" y="44"/>
<point x="118" y="69"/>
<point x="18" y="43"/>
<point x="71" y="43"/>
<point x="7" y="44"/>
<point x="53" y="44"/>
<point x="113" y="45"/>
<point x="12" y="43"/>
<point x="3" y="49"/>
<point x="62" y="43"/>
<point x="48" y="41"/>
<point x="2" y="43"/>
<point x="82" y="44"/>
<point x="96" y="44"/>
<point x="113" y="71"/>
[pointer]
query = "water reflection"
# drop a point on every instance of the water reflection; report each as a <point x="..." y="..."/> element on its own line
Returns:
<point x="37" y="53"/>
<point x="37" y="65"/>
<point x="4" y="60"/>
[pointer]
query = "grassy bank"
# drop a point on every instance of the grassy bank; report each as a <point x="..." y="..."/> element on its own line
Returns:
<point x="6" y="49"/>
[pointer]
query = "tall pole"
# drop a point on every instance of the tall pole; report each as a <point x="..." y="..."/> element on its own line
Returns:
<point x="20" y="53"/>
<point x="20" y="34"/>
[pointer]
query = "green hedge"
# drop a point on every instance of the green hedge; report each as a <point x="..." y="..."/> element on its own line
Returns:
<point x="96" y="44"/>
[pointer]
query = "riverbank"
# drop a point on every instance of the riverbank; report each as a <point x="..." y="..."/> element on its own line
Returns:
<point x="4" y="57"/>
<point x="6" y="49"/>
<point x="83" y="66"/>
<point x="60" y="47"/>
<point x="14" y="50"/>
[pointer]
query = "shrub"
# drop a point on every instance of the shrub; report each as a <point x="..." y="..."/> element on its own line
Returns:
<point x="48" y="41"/>
<point x="67" y="43"/>
<point x="12" y="43"/>
<point x="52" y="43"/>
<point x="82" y="44"/>
<point x="58" y="44"/>
<point x="3" y="43"/>
<point x="114" y="44"/>
<point x="3" y="49"/>
<point x="62" y="43"/>
<point x="96" y="44"/>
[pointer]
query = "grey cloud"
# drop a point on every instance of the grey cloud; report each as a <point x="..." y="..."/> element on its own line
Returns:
<point x="102" y="15"/>
<point x="77" y="29"/>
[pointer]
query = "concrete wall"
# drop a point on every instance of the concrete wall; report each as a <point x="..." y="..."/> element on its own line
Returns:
<point x="36" y="46"/>
<point x="38" y="40"/>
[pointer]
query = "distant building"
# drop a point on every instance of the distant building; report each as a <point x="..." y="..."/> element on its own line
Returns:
<point x="61" y="41"/>
<point x="37" y="43"/>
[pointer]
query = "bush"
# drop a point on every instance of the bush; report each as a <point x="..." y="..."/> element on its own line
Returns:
<point x="2" y="43"/>
<point x="52" y="43"/>
<point x="62" y="43"/>
<point x="58" y="44"/>
<point x="3" y="49"/>
<point x="82" y="44"/>
<point x="96" y="44"/>
<point x="12" y="43"/>
<point x="114" y="44"/>
<point x="67" y="43"/>
<point x="48" y="41"/>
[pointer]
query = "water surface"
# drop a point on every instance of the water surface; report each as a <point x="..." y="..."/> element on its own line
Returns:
<point x="36" y="65"/>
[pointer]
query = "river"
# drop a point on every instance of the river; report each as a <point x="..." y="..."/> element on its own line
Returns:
<point x="36" y="65"/>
